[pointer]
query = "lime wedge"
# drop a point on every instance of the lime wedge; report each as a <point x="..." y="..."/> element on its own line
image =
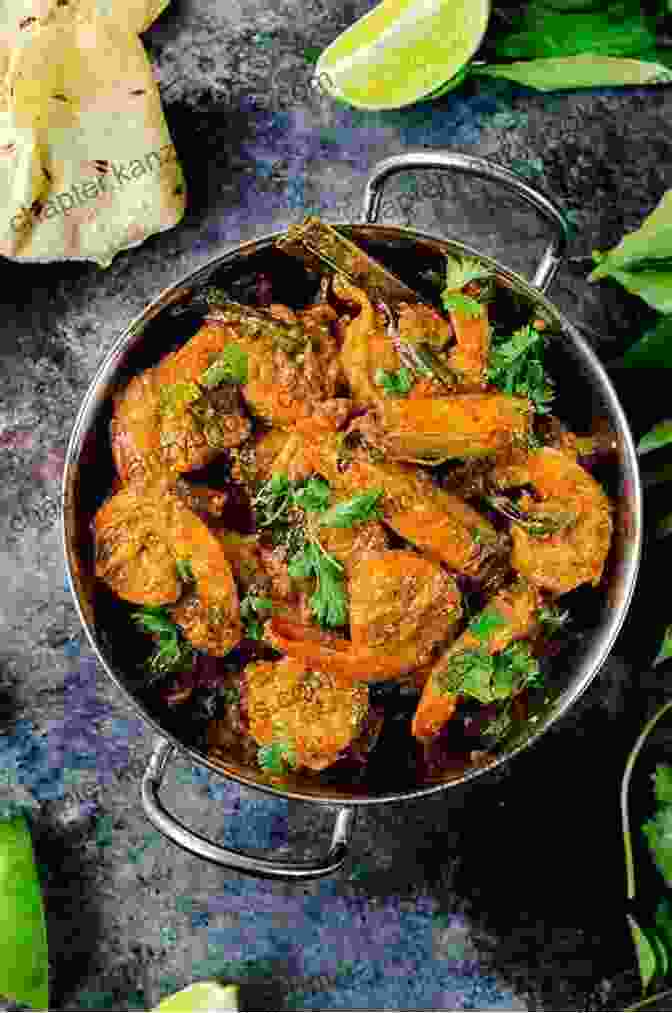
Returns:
<point x="402" y="51"/>
<point x="203" y="995"/>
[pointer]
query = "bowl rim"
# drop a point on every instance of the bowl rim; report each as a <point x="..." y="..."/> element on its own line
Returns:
<point x="93" y="401"/>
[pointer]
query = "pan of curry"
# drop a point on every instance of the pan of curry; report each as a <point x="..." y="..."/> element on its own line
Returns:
<point x="338" y="519"/>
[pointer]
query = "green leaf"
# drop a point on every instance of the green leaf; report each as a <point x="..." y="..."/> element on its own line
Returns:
<point x="487" y="623"/>
<point x="395" y="384"/>
<point x="646" y="954"/>
<point x="24" y="962"/>
<point x="516" y="367"/>
<point x="361" y="508"/>
<point x="469" y="672"/>
<point x="171" y="652"/>
<point x="659" y="436"/>
<point x="663" y="784"/>
<point x="585" y="70"/>
<point x="276" y="758"/>
<point x="462" y="304"/>
<point x="654" y="348"/>
<point x="251" y="607"/>
<point x="230" y="366"/>
<point x="663" y="923"/>
<point x="552" y="618"/>
<point x="314" y="496"/>
<point x="176" y="397"/>
<point x="329" y="603"/>
<point x="607" y="31"/>
<point x="460" y="271"/>
<point x="184" y="570"/>
<point x="658" y="833"/>
<point x="642" y="261"/>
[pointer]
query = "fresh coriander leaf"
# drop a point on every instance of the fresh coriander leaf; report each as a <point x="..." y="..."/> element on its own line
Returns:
<point x="361" y="508"/>
<point x="469" y="672"/>
<point x="462" y="270"/>
<point x="176" y="397"/>
<point x="230" y="366"/>
<point x="464" y="304"/>
<point x="487" y="623"/>
<point x="658" y="833"/>
<point x="646" y="954"/>
<point x="184" y="570"/>
<point x="302" y="565"/>
<point x="520" y="665"/>
<point x="314" y="495"/>
<point x="552" y="618"/>
<point x="329" y="603"/>
<point x="230" y="695"/>
<point x="659" y="436"/>
<point x="251" y="608"/>
<point x="395" y="384"/>
<point x="276" y="757"/>
<point x="273" y="500"/>
<point x="171" y="652"/>
<point x="500" y="725"/>
<point x="516" y="367"/>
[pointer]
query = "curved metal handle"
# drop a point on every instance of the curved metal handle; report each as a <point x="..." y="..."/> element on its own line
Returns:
<point x="481" y="167"/>
<point x="241" y="861"/>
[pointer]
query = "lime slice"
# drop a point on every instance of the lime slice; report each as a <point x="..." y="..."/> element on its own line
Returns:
<point x="204" y="995"/>
<point x="402" y="51"/>
<point x="24" y="963"/>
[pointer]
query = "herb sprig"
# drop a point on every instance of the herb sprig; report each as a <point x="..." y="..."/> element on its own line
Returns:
<point x="171" y="652"/>
<point x="299" y="510"/>
<point x="488" y="678"/>
<point x="253" y="610"/>
<point x="276" y="757"/>
<point x="516" y="367"/>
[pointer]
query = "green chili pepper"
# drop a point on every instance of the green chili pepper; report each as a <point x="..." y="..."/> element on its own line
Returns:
<point x="24" y="961"/>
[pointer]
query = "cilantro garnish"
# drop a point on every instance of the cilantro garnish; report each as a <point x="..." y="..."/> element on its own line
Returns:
<point x="460" y="271"/>
<point x="487" y="623"/>
<point x="251" y="609"/>
<point x="552" y="618"/>
<point x="176" y="397"/>
<point x="230" y="366"/>
<point x="184" y="570"/>
<point x="395" y="384"/>
<point x="516" y="367"/>
<point x="361" y="508"/>
<point x="490" y="677"/>
<point x="171" y="653"/>
<point x="465" y="304"/>
<point x="300" y="509"/>
<point x="276" y="757"/>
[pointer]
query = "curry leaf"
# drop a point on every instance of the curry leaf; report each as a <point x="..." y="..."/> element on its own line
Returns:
<point x="654" y="348"/>
<point x="24" y="965"/>
<point x="646" y="955"/>
<point x="642" y="261"/>
<point x="665" y="650"/>
<point x="659" y="436"/>
<point x="584" y="70"/>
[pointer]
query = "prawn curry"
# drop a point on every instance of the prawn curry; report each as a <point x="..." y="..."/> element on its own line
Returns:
<point x="351" y="522"/>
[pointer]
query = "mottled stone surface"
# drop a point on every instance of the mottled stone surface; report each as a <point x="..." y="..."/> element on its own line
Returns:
<point x="506" y="895"/>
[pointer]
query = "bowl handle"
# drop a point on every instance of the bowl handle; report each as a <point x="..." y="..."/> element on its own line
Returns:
<point x="241" y="861"/>
<point x="484" y="169"/>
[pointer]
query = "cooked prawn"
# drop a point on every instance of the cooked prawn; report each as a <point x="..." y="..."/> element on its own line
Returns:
<point x="518" y="607"/>
<point x="572" y="551"/>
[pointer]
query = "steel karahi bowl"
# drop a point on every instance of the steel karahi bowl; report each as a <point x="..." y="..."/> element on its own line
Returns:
<point x="585" y="394"/>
